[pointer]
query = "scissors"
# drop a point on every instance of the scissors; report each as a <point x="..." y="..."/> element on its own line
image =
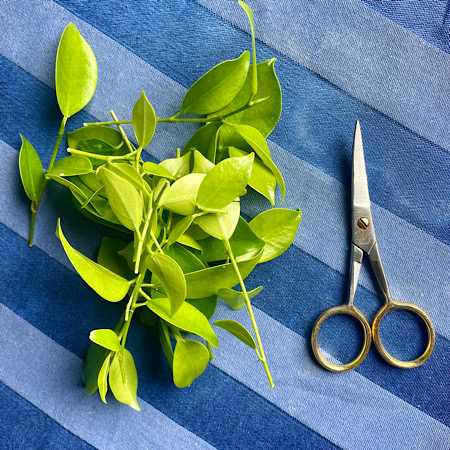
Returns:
<point x="364" y="241"/>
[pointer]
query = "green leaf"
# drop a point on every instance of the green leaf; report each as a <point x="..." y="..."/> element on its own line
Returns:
<point x="105" y="338"/>
<point x="31" y="170"/>
<point x="218" y="225"/>
<point x="164" y="338"/>
<point x="190" y="263"/>
<point x="264" y="115"/>
<point x="257" y="142"/>
<point x="124" y="390"/>
<point x="156" y="169"/>
<point x="123" y="198"/>
<point x="178" y="229"/>
<point x="202" y="138"/>
<point x="75" y="72"/>
<point x="171" y="278"/>
<point x="101" y="140"/>
<point x="178" y="167"/>
<point x="224" y="182"/>
<point x="71" y="166"/>
<point x="235" y="298"/>
<point x="95" y="358"/>
<point x="207" y="282"/>
<point x="74" y="189"/>
<point x="277" y="227"/>
<point x="103" y="378"/>
<point x="262" y="179"/>
<point x="237" y="330"/>
<point x="129" y="173"/>
<point x="181" y="196"/>
<point x="187" y="318"/>
<point x="201" y="164"/>
<point x="107" y="284"/>
<point x="189" y="362"/>
<point x="109" y="257"/>
<point x="215" y="89"/>
<point x="144" y="121"/>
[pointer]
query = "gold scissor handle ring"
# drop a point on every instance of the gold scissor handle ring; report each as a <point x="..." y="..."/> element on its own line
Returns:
<point x="351" y="311"/>
<point x="392" y="306"/>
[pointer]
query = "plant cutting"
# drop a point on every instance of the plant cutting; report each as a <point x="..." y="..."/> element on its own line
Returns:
<point x="183" y="243"/>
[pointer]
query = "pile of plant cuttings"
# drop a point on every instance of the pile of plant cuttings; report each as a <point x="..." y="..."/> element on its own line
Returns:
<point x="185" y="243"/>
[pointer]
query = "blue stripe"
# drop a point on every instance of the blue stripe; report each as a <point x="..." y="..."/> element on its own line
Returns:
<point x="428" y="22"/>
<point x="322" y="200"/>
<point x="222" y="399"/>
<point x="318" y="136"/>
<point x="362" y="52"/>
<point x="37" y="431"/>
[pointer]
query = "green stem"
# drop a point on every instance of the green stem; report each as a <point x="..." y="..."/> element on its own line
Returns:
<point x="131" y="149"/>
<point x="126" y="157"/>
<point x="261" y="354"/>
<point x="37" y="200"/>
<point x="111" y="122"/>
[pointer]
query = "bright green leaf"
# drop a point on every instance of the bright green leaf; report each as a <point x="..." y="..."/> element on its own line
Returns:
<point x="277" y="228"/>
<point x="105" y="338"/>
<point x="124" y="390"/>
<point x="262" y="179"/>
<point x="235" y="298"/>
<point x="100" y="140"/>
<point x="181" y="196"/>
<point x="264" y="115"/>
<point x="187" y="318"/>
<point x="103" y="378"/>
<point x="144" y="120"/>
<point x="178" y="229"/>
<point x="123" y="198"/>
<point x="201" y="164"/>
<point x="95" y="358"/>
<point x="178" y="167"/>
<point x="218" y="225"/>
<point x="156" y="169"/>
<point x="107" y="284"/>
<point x="164" y="338"/>
<point x="171" y="278"/>
<point x="31" y="170"/>
<point x="71" y="166"/>
<point x="258" y="143"/>
<point x="75" y="72"/>
<point x="201" y="139"/>
<point x="217" y="88"/>
<point x="237" y="330"/>
<point x="189" y="362"/>
<point x="224" y="182"/>
<point x="207" y="282"/>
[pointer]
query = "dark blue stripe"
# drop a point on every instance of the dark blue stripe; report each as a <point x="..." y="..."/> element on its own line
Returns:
<point x="23" y="426"/>
<point x="67" y="310"/>
<point x="318" y="118"/>
<point x="429" y="21"/>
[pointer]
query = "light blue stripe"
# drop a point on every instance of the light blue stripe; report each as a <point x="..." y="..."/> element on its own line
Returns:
<point x="44" y="373"/>
<point x="321" y="197"/>
<point x="362" y="52"/>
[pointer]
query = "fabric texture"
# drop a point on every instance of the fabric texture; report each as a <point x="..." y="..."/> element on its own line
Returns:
<point x="384" y="63"/>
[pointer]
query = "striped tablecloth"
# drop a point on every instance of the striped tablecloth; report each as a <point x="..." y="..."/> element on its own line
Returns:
<point x="385" y="63"/>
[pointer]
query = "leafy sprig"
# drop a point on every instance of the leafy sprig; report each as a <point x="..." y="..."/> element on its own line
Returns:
<point x="184" y="242"/>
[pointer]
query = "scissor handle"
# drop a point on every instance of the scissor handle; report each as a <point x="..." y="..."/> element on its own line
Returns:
<point x="350" y="311"/>
<point x="393" y="306"/>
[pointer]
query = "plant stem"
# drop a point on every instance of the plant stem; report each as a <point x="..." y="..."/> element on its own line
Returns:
<point x="261" y="354"/>
<point x="126" y="157"/>
<point x="37" y="200"/>
<point x="123" y="134"/>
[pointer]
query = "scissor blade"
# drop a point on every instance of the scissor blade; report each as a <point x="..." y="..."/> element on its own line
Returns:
<point x="363" y="233"/>
<point x="360" y="188"/>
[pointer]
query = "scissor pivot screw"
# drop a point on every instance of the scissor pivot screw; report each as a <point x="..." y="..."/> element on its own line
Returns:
<point x="363" y="223"/>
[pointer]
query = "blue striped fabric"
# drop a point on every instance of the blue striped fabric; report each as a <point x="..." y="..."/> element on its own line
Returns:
<point x="384" y="63"/>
